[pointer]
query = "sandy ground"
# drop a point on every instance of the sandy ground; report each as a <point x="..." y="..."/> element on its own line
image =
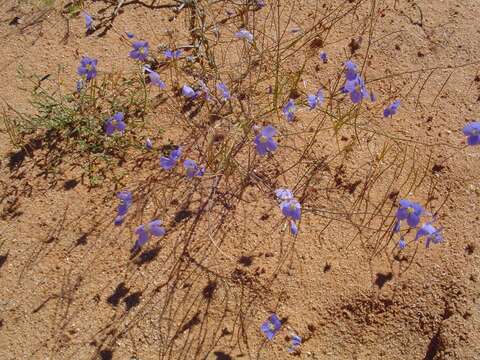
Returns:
<point x="69" y="288"/>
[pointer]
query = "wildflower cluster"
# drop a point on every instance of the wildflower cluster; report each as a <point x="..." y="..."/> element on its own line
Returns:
<point x="409" y="214"/>
<point x="412" y="213"/>
<point x="265" y="143"/>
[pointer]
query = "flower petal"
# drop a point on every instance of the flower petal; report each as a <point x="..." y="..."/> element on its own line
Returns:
<point x="269" y="131"/>
<point x="413" y="220"/>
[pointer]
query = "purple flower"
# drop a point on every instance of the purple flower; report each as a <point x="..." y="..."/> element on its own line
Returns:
<point x="356" y="88"/>
<point x="168" y="163"/>
<point x="140" y="50"/>
<point x="271" y="327"/>
<point x="224" y="93"/>
<point x="244" y="34"/>
<point x="402" y="244"/>
<point x="472" y="131"/>
<point x="88" y="21"/>
<point x="87" y="68"/>
<point x="391" y="109"/>
<point x="115" y="123"/>
<point x="264" y="141"/>
<point x="354" y="84"/>
<point x="291" y="209"/>
<point x="396" y="226"/>
<point x="172" y="54"/>
<point x="324" y="57"/>
<point x="188" y="92"/>
<point x="192" y="169"/>
<point x="79" y="85"/>
<point x="145" y="231"/>
<point x="148" y="144"/>
<point x="260" y="4"/>
<point x="296" y="341"/>
<point x="283" y="194"/>
<point x="155" y="78"/>
<point x="432" y="234"/>
<point x="315" y="100"/>
<point x="410" y="211"/>
<point x="350" y="70"/>
<point x="126" y="200"/>
<point x="289" y="110"/>
<point x="293" y="228"/>
<point x="118" y="220"/>
<point x="130" y="35"/>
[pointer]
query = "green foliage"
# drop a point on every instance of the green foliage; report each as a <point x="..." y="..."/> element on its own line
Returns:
<point x="72" y="124"/>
